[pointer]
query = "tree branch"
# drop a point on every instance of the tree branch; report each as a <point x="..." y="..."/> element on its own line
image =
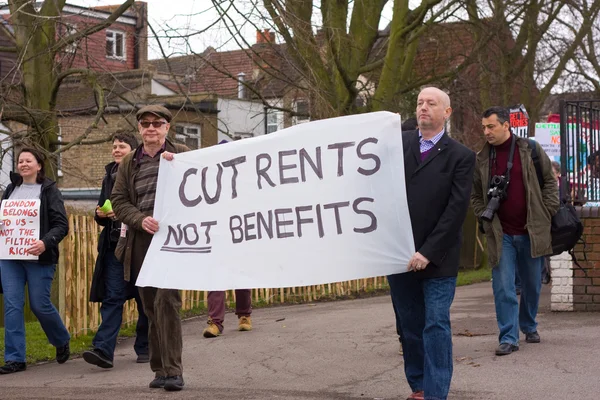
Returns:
<point x="105" y="139"/>
<point x="582" y="71"/>
<point x="62" y="76"/>
<point x="94" y="125"/>
<point x="586" y="26"/>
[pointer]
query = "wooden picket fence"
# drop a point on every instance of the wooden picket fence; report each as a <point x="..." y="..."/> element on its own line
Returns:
<point x="76" y="267"/>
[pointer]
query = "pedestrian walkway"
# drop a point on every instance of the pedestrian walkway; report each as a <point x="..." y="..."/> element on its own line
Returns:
<point x="341" y="350"/>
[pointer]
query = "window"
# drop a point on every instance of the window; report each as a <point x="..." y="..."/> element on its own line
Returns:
<point x="189" y="135"/>
<point x="115" y="44"/>
<point x="70" y="30"/>
<point x="301" y="107"/>
<point x="273" y="118"/>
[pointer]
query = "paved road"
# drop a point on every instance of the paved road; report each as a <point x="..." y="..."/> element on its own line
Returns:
<point x="341" y="350"/>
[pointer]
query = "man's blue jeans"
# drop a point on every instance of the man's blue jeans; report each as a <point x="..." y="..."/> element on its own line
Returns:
<point x="116" y="292"/>
<point x="516" y="254"/>
<point x="38" y="277"/>
<point x="423" y="307"/>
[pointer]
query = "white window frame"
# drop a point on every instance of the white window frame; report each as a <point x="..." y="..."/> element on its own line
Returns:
<point x="297" y="118"/>
<point x="188" y="134"/>
<point x="71" y="29"/>
<point x="276" y="117"/>
<point x="114" y="44"/>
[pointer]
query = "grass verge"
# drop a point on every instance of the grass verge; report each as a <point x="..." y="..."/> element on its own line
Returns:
<point x="471" y="276"/>
<point x="39" y="350"/>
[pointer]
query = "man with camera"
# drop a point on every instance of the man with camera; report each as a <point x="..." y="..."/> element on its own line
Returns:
<point x="516" y="216"/>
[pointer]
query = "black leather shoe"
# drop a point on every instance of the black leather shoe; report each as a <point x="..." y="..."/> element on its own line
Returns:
<point x="174" y="383"/>
<point x="12" y="367"/>
<point x="505" y="349"/>
<point x="63" y="353"/>
<point x="532" y="337"/>
<point x="158" y="382"/>
<point x="143" y="358"/>
<point x="96" y="357"/>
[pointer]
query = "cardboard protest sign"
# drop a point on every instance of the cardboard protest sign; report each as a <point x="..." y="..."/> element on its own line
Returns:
<point x="20" y="228"/>
<point x="315" y="203"/>
<point x="548" y="136"/>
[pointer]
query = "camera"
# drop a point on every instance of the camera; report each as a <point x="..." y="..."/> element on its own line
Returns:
<point x="496" y="194"/>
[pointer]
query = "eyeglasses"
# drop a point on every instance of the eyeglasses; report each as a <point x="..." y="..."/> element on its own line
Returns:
<point x="155" y="124"/>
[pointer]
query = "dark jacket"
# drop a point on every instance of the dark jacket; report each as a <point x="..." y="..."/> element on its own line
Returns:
<point x="541" y="205"/>
<point x="124" y="200"/>
<point x="54" y="224"/>
<point x="438" y="190"/>
<point x="107" y="241"/>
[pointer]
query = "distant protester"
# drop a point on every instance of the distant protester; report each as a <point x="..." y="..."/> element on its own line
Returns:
<point x="108" y="284"/>
<point x="32" y="183"/>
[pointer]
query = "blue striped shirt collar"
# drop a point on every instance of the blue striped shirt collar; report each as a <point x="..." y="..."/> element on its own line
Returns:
<point x="427" y="144"/>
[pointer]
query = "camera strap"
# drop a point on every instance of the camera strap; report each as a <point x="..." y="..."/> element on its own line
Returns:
<point x="511" y="156"/>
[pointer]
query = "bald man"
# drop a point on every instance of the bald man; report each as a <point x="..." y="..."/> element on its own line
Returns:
<point x="438" y="174"/>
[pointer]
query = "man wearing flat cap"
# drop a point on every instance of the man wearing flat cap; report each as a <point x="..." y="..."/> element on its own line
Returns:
<point x="133" y="203"/>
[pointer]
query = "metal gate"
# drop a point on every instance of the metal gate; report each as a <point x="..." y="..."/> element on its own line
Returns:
<point x="580" y="150"/>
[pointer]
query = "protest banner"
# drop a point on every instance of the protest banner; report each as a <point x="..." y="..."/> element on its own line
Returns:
<point x="548" y="136"/>
<point x="519" y="120"/>
<point x="19" y="228"/>
<point x="315" y="203"/>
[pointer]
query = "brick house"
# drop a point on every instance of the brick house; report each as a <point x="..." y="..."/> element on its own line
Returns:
<point x="194" y="121"/>
<point x="121" y="47"/>
<point x="236" y="76"/>
<point x="119" y="55"/>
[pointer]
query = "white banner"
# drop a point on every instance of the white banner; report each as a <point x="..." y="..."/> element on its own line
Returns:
<point x="316" y="203"/>
<point x="548" y="136"/>
<point x="19" y="228"/>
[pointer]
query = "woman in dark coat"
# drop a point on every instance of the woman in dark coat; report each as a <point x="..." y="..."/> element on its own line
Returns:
<point x="108" y="285"/>
<point x="31" y="183"/>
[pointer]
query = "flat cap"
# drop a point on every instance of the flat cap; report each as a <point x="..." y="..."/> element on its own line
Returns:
<point x="157" y="110"/>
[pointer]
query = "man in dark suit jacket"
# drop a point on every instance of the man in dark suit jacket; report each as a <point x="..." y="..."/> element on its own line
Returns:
<point x="438" y="174"/>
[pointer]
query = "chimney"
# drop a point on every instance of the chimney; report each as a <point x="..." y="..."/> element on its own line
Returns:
<point x="265" y="36"/>
<point x="241" y="87"/>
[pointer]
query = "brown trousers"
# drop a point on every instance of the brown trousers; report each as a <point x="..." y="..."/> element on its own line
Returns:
<point x="216" y="305"/>
<point x="162" y="307"/>
<point x="164" y="329"/>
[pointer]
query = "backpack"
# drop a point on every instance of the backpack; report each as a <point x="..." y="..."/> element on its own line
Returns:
<point x="567" y="228"/>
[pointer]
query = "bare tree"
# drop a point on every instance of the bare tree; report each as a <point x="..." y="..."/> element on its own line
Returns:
<point x="36" y="46"/>
<point x="544" y="43"/>
<point x="584" y="70"/>
<point x="334" y="52"/>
